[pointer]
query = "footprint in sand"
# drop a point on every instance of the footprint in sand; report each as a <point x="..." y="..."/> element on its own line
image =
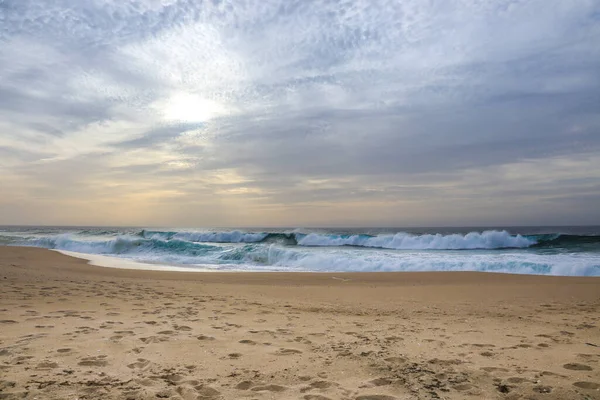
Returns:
<point x="205" y="337"/>
<point x="393" y="339"/>
<point x="322" y="384"/>
<point x="587" y="385"/>
<point x="182" y="328"/>
<point x="153" y="339"/>
<point x="269" y="388"/>
<point x="146" y="381"/>
<point x="244" y="385"/>
<point x="516" y="380"/>
<point x="164" y="394"/>
<point x="396" y="360"/>
<point x="46" y="365"/>
<point x="287" y="352"/>
<point x="376" y="397"/>
<point x="171" y="378"/>
<point x="186" y="392"/>
<point x="381" y="382"/>
<point x="462" y="387"/>
<point x="124" y="333"/>
<point x="65" y="350"/>
<point x="98" y="361"/>
<point x="206" y="392"/>
<point x="577" y="367"/>
<point x="549" y="373"/>
<point x="494" y="369"/>
<point x="315" y="397"/>
<point x="140" y="364"/>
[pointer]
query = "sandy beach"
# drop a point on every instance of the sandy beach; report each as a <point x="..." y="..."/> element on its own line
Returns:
<point x="69" y="330"/>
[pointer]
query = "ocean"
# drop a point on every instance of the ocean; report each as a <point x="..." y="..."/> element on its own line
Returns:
<point x="573" y="251"/>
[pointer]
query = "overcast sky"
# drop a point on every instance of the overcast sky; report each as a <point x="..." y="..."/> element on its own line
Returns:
<point x="299" y="112"/>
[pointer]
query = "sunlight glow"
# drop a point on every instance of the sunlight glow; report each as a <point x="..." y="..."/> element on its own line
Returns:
<point x="186" y="107"/>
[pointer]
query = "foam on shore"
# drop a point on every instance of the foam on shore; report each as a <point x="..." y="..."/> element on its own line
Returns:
<point x="123" y="263"/>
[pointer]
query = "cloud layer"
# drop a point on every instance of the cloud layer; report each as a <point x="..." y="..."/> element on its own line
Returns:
<point x="345" y="112"/>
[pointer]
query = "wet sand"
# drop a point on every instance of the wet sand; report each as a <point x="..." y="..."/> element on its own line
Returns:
<point x="70" y="330"/>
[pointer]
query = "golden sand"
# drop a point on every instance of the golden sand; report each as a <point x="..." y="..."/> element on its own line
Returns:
<point x="69" y="330"/>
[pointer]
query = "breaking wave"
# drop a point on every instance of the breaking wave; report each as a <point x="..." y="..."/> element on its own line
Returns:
<point x="120" y="245"/>
<point x="405" y="241"/>
<point x="492" y="251"/>
<point x="398" y="241"/>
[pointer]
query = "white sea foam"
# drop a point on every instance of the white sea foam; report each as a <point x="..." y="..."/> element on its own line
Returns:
<point x="69" y="242"/>
<point x="341" y="260"/>
<point x="116" y="262"/>
<point x="405" y="241"/>
<point x="221" y="237"/>
<point x="491" y="251"/>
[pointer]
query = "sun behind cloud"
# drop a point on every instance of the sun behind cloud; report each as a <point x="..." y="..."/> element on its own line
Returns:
<point x="187" y="107"/>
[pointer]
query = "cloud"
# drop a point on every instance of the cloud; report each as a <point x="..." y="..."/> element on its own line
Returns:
<point x="412" y="112"/>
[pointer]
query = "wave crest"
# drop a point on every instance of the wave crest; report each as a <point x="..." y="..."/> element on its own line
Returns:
<point x="120" y="245"/>
<point x="405" y="241"/>
<point x="208" y="237"/>
<point x="398" y="241"/>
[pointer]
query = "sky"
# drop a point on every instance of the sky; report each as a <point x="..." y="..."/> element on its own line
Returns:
<point x="298" y="113"/>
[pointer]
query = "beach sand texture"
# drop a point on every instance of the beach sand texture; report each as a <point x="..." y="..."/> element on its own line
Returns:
<point x="73" y="331"/>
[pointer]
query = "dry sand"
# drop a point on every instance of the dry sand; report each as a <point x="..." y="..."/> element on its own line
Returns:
<point x="73" y="331"/>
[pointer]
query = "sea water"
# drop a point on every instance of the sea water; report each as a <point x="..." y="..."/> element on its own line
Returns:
<point x="522" y="250"/>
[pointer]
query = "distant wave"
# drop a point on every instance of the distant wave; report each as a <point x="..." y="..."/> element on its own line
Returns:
<point x="398" y="241"/>
<point x="405" y="241"/>
<point x="208" y="237"/>
<point x="123" y="244"/>
<point x="488" y="240"/>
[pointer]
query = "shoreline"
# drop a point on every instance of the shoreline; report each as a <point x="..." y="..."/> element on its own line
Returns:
<point x="100" y="260"/>
<point x="73" y="330"/>
<point x="104" y="261"/>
